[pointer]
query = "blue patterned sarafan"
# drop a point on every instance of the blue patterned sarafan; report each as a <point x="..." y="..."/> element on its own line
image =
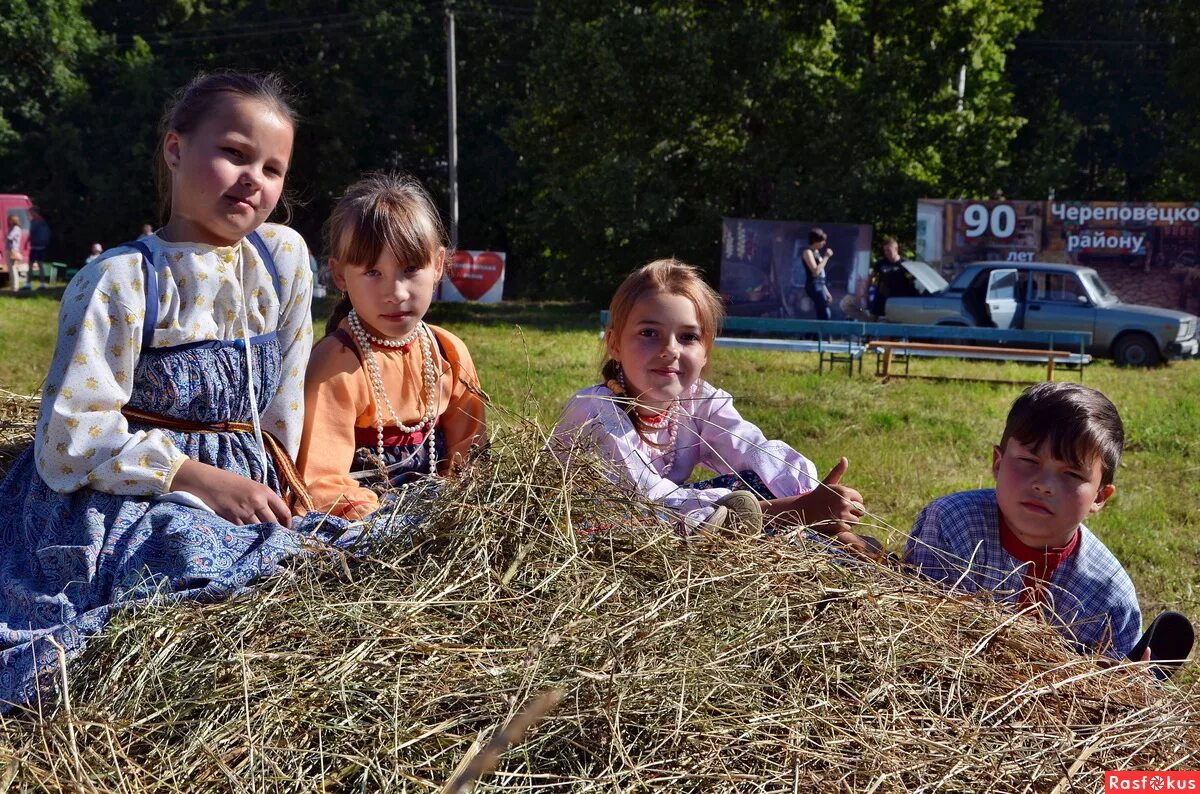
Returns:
<point x="69" y="561"/>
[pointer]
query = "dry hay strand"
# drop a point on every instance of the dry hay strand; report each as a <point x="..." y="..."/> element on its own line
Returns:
<point x="714" y="664"/>
<point x="18" y="415"/>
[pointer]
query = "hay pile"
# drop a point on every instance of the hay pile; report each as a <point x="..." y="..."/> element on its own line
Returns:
<point x="713" y="664"/>
<point x="18" y="415"/>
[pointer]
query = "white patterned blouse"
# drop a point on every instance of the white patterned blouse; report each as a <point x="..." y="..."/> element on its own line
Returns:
<point x="204" y="291"/>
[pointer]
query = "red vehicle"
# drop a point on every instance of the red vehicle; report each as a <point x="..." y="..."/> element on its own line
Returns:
<point x="19" y="205"/>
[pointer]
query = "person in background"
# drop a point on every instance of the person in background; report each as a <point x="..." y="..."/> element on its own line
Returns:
<point x="97" y="249"/>
<point x="12" y="250"/>
<point x="39" y="241"/>
<point x="816" y="257"/>
<point x="889" y="278"/>
<point x="319" y="290"/>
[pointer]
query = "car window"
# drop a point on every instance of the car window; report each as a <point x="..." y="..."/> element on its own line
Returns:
<point x="1037" y="286"/>
<point x="1099" y="288"/>
<point x="1003" y="286"/>
<point x="1056" y="287"/>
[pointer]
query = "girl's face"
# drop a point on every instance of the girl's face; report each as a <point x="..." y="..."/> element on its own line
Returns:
<point x="660" y="349"/>
<point x="227" y="173"/>
<point x="389" y="297"/>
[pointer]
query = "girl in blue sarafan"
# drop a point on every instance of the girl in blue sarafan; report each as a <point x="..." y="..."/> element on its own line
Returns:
<point x="162" y="461"/>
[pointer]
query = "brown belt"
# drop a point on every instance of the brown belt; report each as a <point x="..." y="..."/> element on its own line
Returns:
<point x="294" y="491"/>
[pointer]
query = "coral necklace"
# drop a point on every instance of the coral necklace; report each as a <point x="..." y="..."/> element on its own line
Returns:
<point x="670" y="420"/>
<point x="426" y="422"/>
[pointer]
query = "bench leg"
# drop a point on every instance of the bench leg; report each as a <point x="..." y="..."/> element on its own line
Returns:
<point x="1050" y="369"/>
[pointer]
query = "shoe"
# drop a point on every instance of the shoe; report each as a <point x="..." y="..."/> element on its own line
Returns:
<point x="716" y="521"/>
<point x="745" y="513"/>
<point x="1169" y="638"/>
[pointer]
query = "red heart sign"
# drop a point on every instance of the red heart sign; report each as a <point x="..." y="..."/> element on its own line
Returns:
<point x="474" y="276"/>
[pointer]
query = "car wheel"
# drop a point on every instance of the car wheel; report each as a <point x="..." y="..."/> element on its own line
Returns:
<point x="1135" y="350"/>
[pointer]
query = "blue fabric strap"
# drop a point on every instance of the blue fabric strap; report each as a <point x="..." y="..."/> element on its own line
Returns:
<point x="150" y="279"/>
<point x="260" y="245"/>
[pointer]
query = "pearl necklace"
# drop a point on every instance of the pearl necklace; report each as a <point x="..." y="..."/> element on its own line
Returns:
<point x="381" y="399"/>
<point x="393" y="343"/>
<point x="670" y="420"/>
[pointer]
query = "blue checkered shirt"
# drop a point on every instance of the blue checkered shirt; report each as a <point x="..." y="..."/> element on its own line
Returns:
<point x="1089" y="598"/>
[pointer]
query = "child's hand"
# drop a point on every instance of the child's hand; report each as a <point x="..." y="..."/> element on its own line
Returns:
<point x="1107" y="661"/>
<point x="829" y="508"/>
<point x="864" y="546"/>
<point x="235" y="498"/>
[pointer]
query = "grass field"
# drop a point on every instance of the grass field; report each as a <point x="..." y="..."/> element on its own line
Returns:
<point x="908" y="441"/>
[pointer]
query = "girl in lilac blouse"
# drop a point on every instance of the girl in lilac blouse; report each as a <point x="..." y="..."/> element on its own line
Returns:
<point x="656" y="419"/>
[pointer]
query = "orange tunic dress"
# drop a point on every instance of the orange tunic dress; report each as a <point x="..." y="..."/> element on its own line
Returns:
<point x="340" y="410"/>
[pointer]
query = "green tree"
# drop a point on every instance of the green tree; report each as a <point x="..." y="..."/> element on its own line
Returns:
<point x="592" y="136"/>
<point x="920" y="103"/>
<point x="41" y="46"/>
<point x="44" y="50"/>
<point x="1180" y="178"/>
<point x="369" y="86"/>
<point x="493" y="42"/>
<point x="646" y="124"/>
<point x="1094" y="80"/>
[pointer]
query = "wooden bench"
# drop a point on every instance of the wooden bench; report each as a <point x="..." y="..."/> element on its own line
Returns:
<point x="887" y="351"/>
<point x="844" y="341"/>
<point x="996" y="337"/>
<point x="834" y="341"/>
<point x="839" y="341"/>
<point x="52" y="272"/>
<point x="829" y="351"/>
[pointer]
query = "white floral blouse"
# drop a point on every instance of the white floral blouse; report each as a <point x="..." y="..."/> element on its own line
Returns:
<point x="83" y="439"/>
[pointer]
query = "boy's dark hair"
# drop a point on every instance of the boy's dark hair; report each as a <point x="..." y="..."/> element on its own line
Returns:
<point x="816" y="235"/>
<point x="194" y="101"/>
<point x="1079" y="424"/>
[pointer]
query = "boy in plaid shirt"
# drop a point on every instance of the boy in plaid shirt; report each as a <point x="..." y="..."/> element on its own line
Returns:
<point x="1025" y="541"/>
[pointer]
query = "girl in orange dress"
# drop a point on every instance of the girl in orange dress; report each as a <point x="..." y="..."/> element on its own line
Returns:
<point x="388" y="397"/>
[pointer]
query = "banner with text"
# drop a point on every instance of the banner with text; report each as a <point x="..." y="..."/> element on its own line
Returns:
<point x="762" y="272"/>
<point x="1147" y="252"/>
<point x="476" y="276"/>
